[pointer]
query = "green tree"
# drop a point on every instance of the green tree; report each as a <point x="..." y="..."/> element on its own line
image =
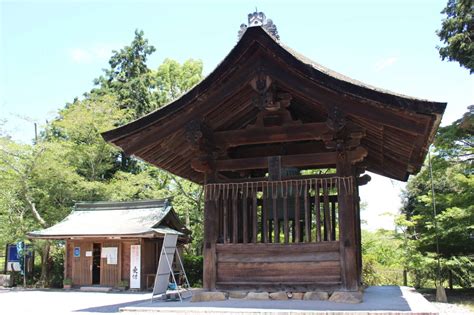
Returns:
<point x="129" y="77"/>
<point x="382" y="251"/>
<point x="173" y="79"/>
<point x="39" y="189"/>
<point x="71" y="162"/>
<point x="77" y="129"/>
<point x="453" y="186"/>
<point x="456" y="141"/>
<point x="457" y="33"/>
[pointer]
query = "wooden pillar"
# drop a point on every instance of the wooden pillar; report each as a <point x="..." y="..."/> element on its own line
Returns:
<point x="358" y="234"/>
<point x="347" y="223"/>
<point x="211" y="220"/>
<point x="66" y="247"/>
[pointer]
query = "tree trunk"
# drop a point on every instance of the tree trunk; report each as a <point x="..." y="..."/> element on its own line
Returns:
<point x="44" y="278"/>
<point x="450" y="279"/>
<point x="187" y="220"/>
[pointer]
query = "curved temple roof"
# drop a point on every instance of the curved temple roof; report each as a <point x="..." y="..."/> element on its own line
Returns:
<point x="398" y="128"/>
<point x="113" y="219"/>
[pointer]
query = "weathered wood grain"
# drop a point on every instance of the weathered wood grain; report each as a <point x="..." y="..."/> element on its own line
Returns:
<point x="278" y="263"/>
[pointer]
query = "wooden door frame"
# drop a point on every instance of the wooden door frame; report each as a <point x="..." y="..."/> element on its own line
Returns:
<point x="82" y="244"/>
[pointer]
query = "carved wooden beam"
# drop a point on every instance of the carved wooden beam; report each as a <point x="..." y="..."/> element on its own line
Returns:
<point x="276" y="134"/>
<point x="363" y="180"/>
<point x="203" y="164"/>
<point x="297" y="160"/>
<point x="199" y="136"/>
<point x="336" y="120"/>
<point x="279" y="148"/>
<point x="346" y="134"/>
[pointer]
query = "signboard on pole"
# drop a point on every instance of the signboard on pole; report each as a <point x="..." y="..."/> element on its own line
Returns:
<point x="13" y="261"/>
<point x="135" y="270"/>
<point x="165" y="264"/>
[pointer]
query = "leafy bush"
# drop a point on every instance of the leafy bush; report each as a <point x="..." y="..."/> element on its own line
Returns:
<point x="56" y="261"/>
<point x="369" y="273"/>
<point x="193" y="265"/>
<point x="462" y="271"/>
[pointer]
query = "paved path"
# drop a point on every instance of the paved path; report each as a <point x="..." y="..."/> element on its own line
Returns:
<point x="39" y="302"/>
<point x="54" y="302"/>
<point x="392" y="299"/>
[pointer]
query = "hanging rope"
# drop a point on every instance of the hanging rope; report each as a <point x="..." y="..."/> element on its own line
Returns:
<point x="285" y="187"/>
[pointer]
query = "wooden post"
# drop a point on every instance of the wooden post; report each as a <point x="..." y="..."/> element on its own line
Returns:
<point x="274" y="174"/>
<point x="254" y="215"/>
<point x="211" y="220"/>
<point x="307" y="215"/>
<point x="327" y="219"/>
<point x="358" y="233"/>
<point x="225" y="203"/>
<point x="245" y="220"/>
<point x="347" y="231"/>
<point x="318" y="213"/>
<point x="333" y="220"/>
<point x="235" y="217"/>
<point x="65" y="259"/>
<point x="264" y="215"/>
<point x="276" y="226"/>
<point x="296" y="221"/>
<point x="119" y="258"/>
<point x="286" y="227"/>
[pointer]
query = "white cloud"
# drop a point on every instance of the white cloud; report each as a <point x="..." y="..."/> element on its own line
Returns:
<point x="80" y="55"/>
<point x="97" y="53"/>
<point x="385" y="63"/>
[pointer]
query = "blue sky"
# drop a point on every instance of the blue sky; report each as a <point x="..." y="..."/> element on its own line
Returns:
<point x="52" y="50"/>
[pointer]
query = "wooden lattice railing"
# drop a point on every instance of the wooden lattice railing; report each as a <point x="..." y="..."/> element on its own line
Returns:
<point x="286" y="211"/>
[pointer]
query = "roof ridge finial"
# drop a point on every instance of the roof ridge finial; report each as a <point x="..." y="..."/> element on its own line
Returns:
<point x="259" y="19"/>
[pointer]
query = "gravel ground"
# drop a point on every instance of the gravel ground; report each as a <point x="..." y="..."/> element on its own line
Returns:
<point x="456" y="298"/>
<point x="451" y="309"/>
<point x="39" y="302"/>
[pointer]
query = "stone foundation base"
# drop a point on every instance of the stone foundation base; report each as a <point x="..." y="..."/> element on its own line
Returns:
<point x="351" y="297"/>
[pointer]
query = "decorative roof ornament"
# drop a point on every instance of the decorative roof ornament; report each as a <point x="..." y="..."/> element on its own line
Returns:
<point x="259" y="19"/>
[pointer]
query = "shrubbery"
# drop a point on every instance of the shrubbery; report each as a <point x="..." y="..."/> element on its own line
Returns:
<point x="193" y="265"/>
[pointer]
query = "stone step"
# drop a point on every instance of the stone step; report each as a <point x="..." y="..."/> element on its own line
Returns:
<point x="5" y="281"/>
<point x="95" y="289"/>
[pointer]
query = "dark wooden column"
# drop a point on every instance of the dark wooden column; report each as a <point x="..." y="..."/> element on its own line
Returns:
<point x="211" y="223"/>
<point x="347" y="225"/>
<point x="358" y="234"/>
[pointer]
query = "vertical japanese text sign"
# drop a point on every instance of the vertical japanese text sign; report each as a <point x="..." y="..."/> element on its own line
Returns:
<point x="135" y="267"/>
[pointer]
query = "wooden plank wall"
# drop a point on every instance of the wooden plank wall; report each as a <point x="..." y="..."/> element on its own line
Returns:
<point x="263" y="265"/>
<point x="150" y="256"/>
<point x="68" y="260"/>
<point x="110" y="273"/>
<point x="81" y="266"/>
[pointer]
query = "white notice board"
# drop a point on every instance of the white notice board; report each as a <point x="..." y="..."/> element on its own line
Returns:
<point x="165" y="264"/>
<point x="111" y="254"/>
<point x="135" y="270"/>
